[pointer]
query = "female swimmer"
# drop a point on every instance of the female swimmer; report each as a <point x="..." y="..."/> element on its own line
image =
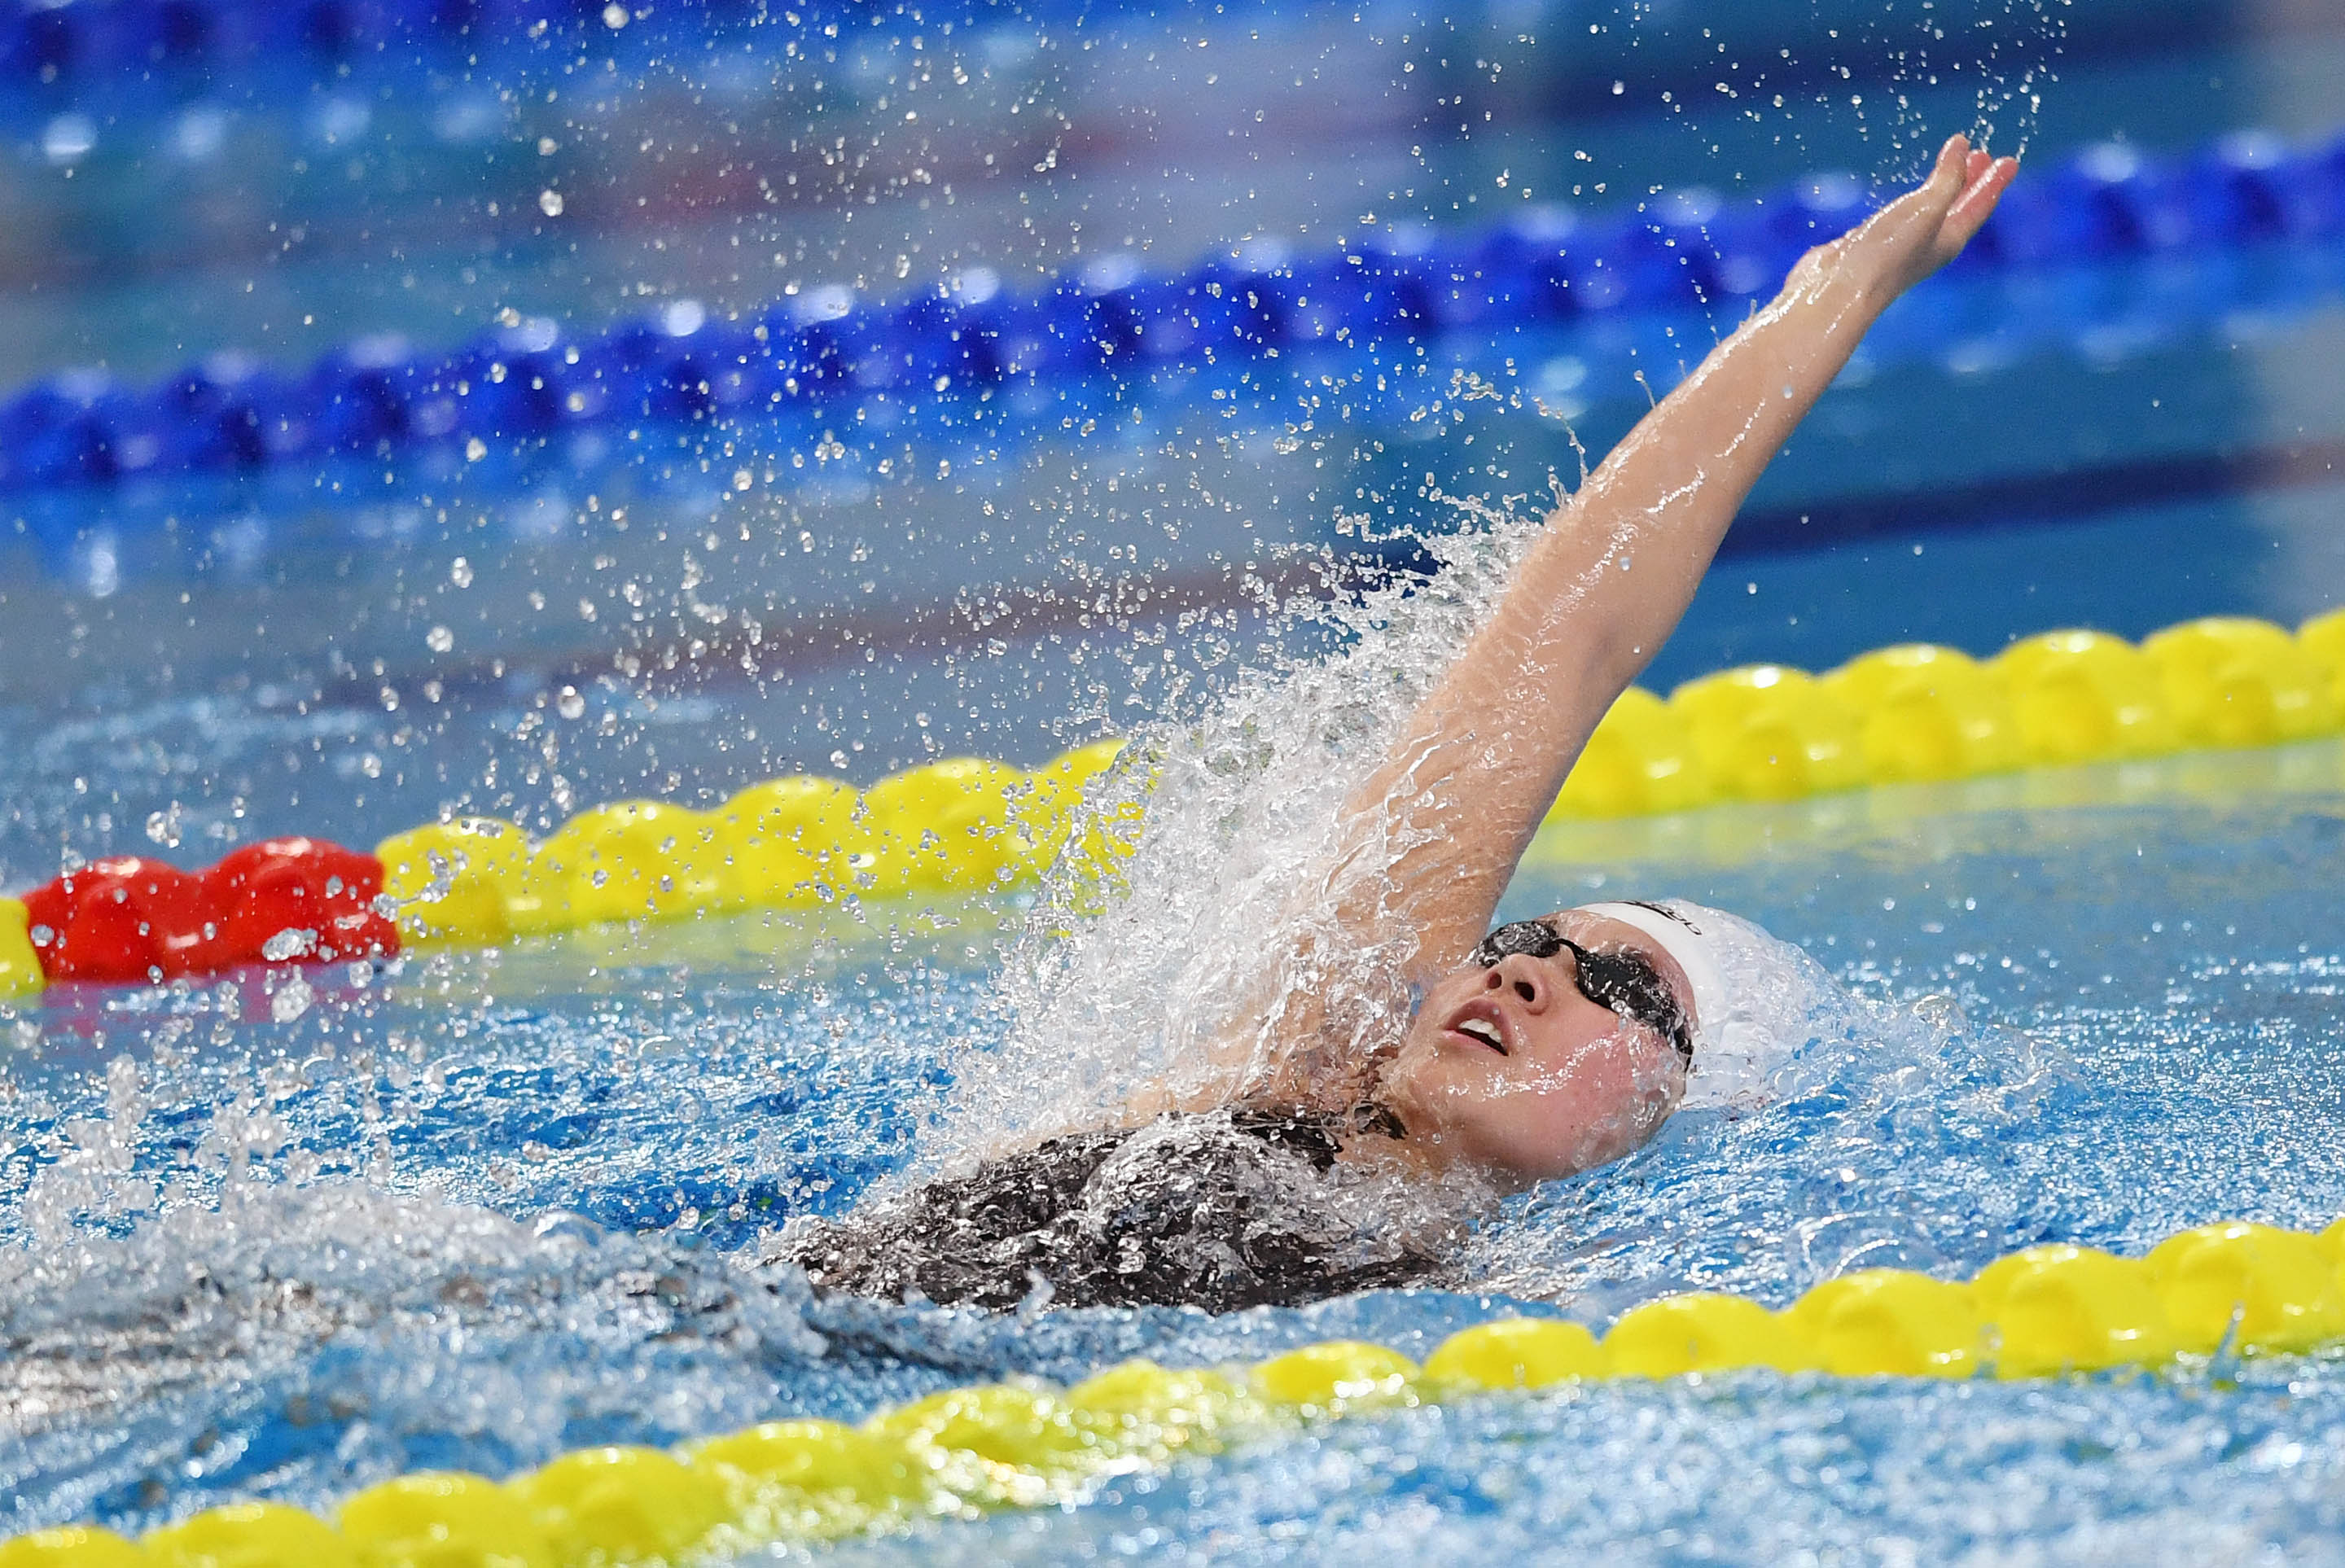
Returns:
<point x="1541" y="1049"/>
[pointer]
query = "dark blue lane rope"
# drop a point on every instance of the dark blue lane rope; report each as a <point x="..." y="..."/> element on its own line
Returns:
<point x="47" y="43"/>
<point x="970" y="342"/>
<point x="51" y="50"/>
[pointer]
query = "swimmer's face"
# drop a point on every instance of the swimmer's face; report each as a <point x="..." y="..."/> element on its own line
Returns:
<point x="1510" y="1067"/>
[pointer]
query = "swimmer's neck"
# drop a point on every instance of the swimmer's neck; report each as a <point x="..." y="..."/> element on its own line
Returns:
<point x="1418" y="1159"/>
<point x="1381" y="1141"/>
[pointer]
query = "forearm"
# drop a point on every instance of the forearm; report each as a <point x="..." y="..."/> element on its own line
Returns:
<point x="1611" y="576"/>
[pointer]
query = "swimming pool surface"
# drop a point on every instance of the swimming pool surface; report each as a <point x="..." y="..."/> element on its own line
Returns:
<point x="480" y="1210"/>
<point x="284" y="1234"/>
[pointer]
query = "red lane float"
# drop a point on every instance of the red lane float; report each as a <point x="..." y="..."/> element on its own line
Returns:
<point x="126" y="918"/>
<point x="313" y="899"/>
<point x="283" y="900"/>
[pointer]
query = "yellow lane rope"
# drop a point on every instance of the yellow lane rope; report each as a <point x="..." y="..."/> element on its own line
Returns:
<point x="2044" y="1311"/>
<point x="965" y="826"/>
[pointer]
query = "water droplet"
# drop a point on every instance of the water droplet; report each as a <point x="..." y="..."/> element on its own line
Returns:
<point x="292" y="999"/>
<point x="570" y="704"/>
<point x="289" y="943"/>
<point x="460" y="573"/>
<point x="548" y="202"/>
<point x="439" y="639"/>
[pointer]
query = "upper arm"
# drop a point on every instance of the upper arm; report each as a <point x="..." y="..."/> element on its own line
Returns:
<point x="1426" y="844"/>
<point x="1476" y="767"/>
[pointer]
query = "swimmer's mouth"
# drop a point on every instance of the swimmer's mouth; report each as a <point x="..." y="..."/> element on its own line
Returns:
<point x="1482" y="1029"/>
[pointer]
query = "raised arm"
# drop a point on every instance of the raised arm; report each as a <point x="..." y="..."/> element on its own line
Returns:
<point x="1605" y="583"/>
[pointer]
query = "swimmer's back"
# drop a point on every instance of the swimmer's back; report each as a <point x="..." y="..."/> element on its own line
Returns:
<point x="1222" y="1211"/>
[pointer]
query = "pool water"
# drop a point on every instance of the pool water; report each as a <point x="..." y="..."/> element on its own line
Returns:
<point x="476" y="1212"/>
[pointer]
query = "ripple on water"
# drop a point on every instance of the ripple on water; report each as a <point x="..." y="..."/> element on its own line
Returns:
<point x="427" y="1223"/>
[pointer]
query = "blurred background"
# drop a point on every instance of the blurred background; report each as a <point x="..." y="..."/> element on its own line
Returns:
<point x="506" y="407"/>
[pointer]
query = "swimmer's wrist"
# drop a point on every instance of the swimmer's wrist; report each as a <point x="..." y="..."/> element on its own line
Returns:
<point x="1843" y="280"/>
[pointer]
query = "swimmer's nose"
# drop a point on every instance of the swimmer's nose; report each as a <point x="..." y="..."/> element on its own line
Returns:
<point x="1524" y="976"/>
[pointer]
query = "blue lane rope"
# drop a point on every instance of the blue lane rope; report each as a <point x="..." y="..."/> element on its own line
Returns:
<point x="52" y="47"/>
<point x="47" y="43"/>
<point x="969" y="343"/>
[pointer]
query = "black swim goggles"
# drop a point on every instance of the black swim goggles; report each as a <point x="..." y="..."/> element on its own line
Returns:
<point x="1625" y="983"/>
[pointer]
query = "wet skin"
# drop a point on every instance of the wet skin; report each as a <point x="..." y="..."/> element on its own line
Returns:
<point x="1566" y="1084"/>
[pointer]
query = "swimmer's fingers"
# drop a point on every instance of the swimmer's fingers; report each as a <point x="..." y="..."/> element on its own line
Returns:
<point x="1908" y="229"/>
<point x="1986" y="180"/>
<point x="1927" y="226"/>
<point x="1931" y="201"/>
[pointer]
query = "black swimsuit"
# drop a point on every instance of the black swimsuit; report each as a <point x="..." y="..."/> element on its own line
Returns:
<point x="1221" y="1210"/>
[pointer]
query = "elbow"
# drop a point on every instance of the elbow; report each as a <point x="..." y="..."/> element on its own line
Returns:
<point x="1615" y="659"/>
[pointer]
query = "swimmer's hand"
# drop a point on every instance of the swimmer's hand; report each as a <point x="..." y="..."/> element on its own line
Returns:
<point x="1919" y="232"/>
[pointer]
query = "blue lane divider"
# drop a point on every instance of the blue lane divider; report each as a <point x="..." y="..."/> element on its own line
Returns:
<point x="45" y="42"/>
<point x="969" y="343"/>
<point x="49" y="47"/>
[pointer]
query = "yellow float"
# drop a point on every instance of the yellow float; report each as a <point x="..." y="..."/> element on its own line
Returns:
<point x="1704" y="1332"/>
<point x="20" y="965"/>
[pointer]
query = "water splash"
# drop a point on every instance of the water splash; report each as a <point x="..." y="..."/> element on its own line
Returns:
<point x="1245" y="854"/>
<point x="296" y="1340"/>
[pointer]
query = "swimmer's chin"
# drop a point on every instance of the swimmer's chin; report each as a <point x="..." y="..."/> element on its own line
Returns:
<point x="1437" y="1139"/>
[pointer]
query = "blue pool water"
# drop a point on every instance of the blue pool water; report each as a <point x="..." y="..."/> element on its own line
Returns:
<point x="284" y="1235"/>
<point x="479" y="1211"/>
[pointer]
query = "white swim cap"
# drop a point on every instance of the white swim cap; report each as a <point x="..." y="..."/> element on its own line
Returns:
<point x="1751" y="994"/>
